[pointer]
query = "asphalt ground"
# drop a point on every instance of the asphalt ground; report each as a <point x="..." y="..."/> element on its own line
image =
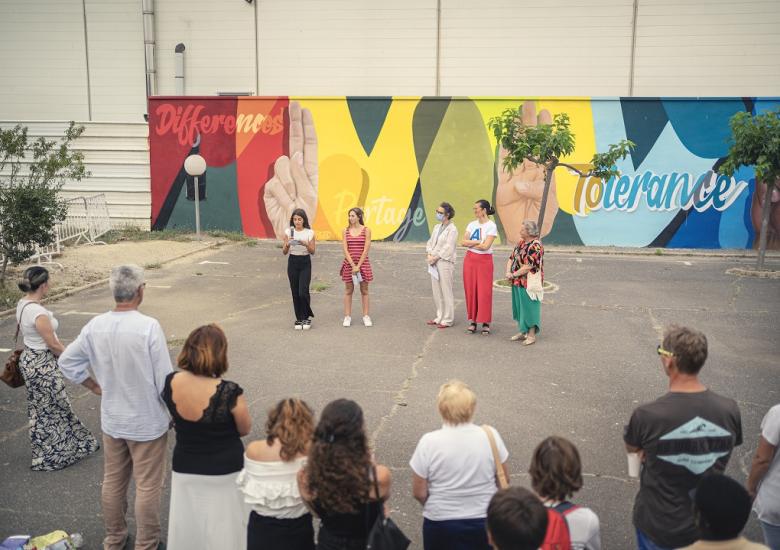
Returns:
<point x="593" y="363"/>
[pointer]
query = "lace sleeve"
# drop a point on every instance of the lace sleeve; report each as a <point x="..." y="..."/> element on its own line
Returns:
<point x="232" y="391"/>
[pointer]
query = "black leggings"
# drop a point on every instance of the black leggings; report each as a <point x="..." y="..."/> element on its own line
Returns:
<point x="299" y="273"/>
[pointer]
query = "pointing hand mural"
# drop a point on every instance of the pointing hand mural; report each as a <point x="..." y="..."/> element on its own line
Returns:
<point x="519" y="194"/>
<point x="295" y="179"/>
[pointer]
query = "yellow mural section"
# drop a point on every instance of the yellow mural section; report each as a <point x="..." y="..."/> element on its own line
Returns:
<point x="381" y="183"/>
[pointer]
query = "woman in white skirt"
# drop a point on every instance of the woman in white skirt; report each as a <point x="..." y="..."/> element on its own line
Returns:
<point x="210" y="416"/>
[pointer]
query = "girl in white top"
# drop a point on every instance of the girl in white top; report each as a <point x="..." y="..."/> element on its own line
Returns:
<point x="478" y="267"/>
<point x="556" y="474"/>
<point x="441" y="257"/>
<point x="299" y="242"/>
<point x="279" y="518"/>
<point x="57" y="436"/>
<point x="454" y="473"/>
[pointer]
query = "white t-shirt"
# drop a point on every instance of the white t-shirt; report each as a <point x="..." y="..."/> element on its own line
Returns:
<point x="303" y="235"/>
<point x="767" y="504"/>
<point x="458" y="464"/>
<point x="479" y="232"/>
<point x="31" y="337"/>
<point x="584" y="529"/>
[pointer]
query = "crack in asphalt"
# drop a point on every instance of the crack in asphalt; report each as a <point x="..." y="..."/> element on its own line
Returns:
<point x="400" y="395"/>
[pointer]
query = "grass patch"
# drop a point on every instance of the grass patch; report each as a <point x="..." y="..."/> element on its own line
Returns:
<point x="9" y="296"/>
<point x="229" y="235"/>
<point x="137" y="234"/>
<point x="319" y="286"/>
<point x="251" y="243"/>
<point x="154" y="265"/>
<point x="658" y="252"/>
<point x="176" y="342"/>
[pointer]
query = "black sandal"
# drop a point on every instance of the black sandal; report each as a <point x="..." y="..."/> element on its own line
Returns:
<point x="485" y="329"/>
<point x="472" y="328"/>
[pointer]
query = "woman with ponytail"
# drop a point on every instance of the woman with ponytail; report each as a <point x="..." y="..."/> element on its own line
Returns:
<point x="279" y="518"/>
<point x="57" y="436"/>
<point x="339" y="479"/>
<point x="478" y="267"/>
<point x="210" y="416"/>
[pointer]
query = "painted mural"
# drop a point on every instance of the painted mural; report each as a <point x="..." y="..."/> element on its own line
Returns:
<point x="398" y="158"/>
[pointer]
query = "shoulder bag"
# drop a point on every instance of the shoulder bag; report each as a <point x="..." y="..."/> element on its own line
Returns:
<point x="385" y="534"/>
<point x="11" y="374"/>
<point x="501" y="479"/>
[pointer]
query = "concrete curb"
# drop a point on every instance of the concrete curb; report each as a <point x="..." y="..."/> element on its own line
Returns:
<point x="72" y="291"/>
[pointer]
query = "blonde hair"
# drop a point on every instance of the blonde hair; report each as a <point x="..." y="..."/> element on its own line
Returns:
<point x="456" y="402"/>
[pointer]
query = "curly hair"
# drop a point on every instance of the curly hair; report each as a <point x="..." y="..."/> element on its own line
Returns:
<point x="339" y="460"/>
<point x="291" y="421"/>
<point x="556" y="470"/>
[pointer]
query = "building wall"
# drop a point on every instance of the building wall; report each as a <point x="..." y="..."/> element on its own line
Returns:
<point x="117" y="157"/>
<point x="397" y="158"/>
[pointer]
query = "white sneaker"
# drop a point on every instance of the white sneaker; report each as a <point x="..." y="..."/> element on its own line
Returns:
<point x="298" y="325"/>
<point x="347" y="321"/>
<point x="367" y="321"/>
<point x="306" y="324"/>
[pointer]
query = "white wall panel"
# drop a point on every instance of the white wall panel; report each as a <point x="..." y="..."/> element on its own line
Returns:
<point x="117" y="78"/>
<point x="707" y="48"/>
<point x="347" y="47"/>
<point x="42" y="60"/>
<point x="117" y="156"/>
<point x="219" y="36"/>
<point x="535" y="47"/>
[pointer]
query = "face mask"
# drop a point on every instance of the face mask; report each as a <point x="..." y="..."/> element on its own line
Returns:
<point x="440" y="217"/>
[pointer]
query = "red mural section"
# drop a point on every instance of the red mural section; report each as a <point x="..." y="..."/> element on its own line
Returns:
<point x="249" y="133"/>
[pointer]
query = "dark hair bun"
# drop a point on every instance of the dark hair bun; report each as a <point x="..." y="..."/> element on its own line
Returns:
<point x="491" y="211"/>
<point x="24" y="285"/>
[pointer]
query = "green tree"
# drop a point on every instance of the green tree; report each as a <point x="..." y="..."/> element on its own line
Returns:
<point x="756" y="142"/>
<point x="32" y="172"/>
<point x="546" y="144"/>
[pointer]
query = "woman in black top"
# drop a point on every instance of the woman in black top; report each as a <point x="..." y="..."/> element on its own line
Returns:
<point x="210" y="416"/>
<point x="338" y="480"/>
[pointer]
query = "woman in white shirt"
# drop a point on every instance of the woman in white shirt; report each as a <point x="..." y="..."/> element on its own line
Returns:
<point x="298" y="241"/>
<point x="454" y="474"/>
<point x="57" y="437"/>
<point x="556" y="474"/>
<point x="441" y="258"/>
<point x="279" y="520"/>
<point x="478" y="267"/>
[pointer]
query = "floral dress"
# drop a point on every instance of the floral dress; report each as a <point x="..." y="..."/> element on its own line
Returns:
<point x="530" y="252"/>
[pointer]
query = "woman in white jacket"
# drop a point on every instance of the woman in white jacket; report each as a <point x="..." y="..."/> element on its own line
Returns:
<point x="441" y="259"/>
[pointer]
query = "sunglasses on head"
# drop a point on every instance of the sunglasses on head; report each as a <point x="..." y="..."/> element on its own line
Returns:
<point x="663" y="352"/>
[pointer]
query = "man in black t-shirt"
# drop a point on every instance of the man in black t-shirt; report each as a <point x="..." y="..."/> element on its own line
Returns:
<point x="680" y="436"/>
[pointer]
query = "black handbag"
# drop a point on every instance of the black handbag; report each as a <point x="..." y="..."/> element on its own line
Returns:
<point x="11" y="374"/>
<point x="385" y="534"/>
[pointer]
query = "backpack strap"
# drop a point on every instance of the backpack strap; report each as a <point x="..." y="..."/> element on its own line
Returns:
<point x="565" y="508"/>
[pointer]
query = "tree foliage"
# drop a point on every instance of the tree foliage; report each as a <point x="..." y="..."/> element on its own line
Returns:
<point x="756" y="142"/>
<point x="32" y="173"/>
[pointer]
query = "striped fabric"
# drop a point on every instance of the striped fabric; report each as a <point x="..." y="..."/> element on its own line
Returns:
<point x="355" y="247"/>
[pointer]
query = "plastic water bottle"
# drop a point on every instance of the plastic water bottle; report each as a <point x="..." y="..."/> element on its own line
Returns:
<point x="77" y="540"/>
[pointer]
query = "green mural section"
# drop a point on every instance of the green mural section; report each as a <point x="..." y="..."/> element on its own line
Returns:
<point x="220" y="210"/>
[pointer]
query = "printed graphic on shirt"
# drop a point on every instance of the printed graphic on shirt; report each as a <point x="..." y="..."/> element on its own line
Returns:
<point x="696" y="445"/>
<point x="476" y="235"/>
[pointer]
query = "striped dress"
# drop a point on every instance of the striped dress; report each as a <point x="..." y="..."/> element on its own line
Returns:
<point x="355" y="247"/>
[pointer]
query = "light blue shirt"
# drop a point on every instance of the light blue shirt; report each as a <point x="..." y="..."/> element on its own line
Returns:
<point x="128" y="354"/>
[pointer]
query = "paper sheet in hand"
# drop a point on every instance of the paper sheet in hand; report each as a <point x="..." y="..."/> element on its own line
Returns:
<point x="357" y="278"/>
<point x="434" y="271"/>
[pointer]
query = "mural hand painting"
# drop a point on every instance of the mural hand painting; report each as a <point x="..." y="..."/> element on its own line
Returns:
<point x="519" y="194"/>
<point x="295" y="179"/>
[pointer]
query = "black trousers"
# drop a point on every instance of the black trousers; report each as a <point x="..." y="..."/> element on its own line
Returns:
<point x="264" y="533"/>
<point x="299" y="273"/>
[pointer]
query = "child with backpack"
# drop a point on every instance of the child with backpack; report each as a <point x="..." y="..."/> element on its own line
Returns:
<point x="556" y="474"/>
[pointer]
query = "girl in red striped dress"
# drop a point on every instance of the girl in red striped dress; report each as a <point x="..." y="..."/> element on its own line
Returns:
<point x="356" y="267"/>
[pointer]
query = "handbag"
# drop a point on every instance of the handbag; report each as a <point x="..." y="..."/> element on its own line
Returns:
<point x="501" y="481"/>
<point x="11" y="374"/>
<point x="385" y="534"/>
<point x="534" y="282"/>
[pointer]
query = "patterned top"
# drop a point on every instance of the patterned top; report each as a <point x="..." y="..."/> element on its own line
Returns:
<point x="210" y="445"/>
<point x="355" y="246"/>
<point x="531" y="252"/>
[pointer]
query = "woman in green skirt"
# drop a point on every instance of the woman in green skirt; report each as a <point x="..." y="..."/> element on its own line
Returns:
<point x="527" y="257"/>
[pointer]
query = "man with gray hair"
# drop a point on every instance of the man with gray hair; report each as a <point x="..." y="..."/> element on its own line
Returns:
<point x="128" y="356"/>
<point x="680" y="437"/>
